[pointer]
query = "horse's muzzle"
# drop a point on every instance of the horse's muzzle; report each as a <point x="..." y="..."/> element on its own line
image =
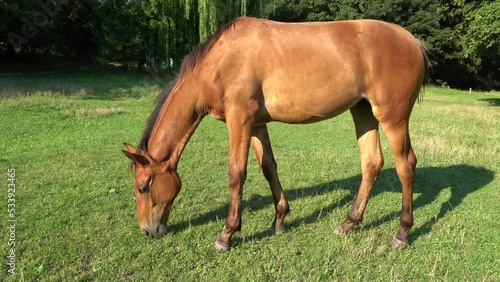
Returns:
<point x="159" y="231"/>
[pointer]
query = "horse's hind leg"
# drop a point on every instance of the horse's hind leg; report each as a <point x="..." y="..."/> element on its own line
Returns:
<point x="406" y="161"/>
<point x="371" y="161"/>
<point x="262" y="146"/>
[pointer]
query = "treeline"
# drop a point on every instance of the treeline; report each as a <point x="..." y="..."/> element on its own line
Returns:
<point x="462" y="36"/>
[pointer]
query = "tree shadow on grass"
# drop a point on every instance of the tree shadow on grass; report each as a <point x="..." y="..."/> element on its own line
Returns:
<point x="430" y="181"/>
<point x="494" y="102"/>
<point x="84" y="86"/>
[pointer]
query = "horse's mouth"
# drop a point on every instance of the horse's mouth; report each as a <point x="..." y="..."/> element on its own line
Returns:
<point x="159" y="231"/>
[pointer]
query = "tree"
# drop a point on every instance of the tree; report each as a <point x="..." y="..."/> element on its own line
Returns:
<point x="48" y="27"/>
<point x="481" y="40"/>
<point x="121" y="35"/>
<point x="462" y="36"/>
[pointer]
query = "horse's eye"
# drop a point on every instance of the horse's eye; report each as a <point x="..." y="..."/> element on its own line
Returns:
<point x="144" y="189"/>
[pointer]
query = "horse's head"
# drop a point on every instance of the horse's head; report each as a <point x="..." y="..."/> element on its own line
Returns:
<point x="156" y="186"/>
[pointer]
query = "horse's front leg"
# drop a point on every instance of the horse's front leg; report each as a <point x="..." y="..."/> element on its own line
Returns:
<point x="239" y="128"/>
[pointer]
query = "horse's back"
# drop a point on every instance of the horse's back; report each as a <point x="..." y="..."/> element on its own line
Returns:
<point x="304" y="72"/>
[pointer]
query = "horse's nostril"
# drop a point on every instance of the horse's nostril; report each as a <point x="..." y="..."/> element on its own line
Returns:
<point x="145" y="232"/>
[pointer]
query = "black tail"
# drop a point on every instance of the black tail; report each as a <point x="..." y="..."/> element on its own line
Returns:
<point x="427" y="62"/>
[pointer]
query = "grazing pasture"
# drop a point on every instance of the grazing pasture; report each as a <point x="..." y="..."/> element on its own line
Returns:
<point x="76" y="215"/>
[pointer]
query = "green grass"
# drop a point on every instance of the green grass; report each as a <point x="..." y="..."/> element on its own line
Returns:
<point x="76" y="217"/>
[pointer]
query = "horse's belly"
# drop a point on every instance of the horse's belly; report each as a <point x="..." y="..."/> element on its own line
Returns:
<point x="306" y="107"/>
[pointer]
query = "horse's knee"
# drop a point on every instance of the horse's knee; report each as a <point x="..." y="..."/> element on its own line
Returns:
<point x="236" y="176"/>
<point x="372" y="165"/>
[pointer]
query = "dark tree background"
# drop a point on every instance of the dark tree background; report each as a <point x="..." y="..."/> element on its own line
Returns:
<point x="154" y="35"/>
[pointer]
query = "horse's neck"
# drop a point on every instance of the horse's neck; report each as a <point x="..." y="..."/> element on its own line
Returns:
<point x="176" y="123"/>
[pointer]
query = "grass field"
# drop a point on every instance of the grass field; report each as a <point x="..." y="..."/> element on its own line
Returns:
<point x="76" y="215"/>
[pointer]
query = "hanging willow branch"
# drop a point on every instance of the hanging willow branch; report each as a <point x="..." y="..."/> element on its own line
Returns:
<point x="180" y="25"/>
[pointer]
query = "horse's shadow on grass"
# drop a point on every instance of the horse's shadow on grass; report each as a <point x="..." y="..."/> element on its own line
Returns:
<point x="430" y="181"/>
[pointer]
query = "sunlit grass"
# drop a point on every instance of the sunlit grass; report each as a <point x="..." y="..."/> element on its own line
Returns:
<point x="77" y="219"/>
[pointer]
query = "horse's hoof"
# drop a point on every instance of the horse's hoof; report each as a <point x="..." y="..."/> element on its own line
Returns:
<point x="399" y="243"/>
<point x="340" y="231"/>
<point x="221" y="246"/>
<point x="277" y="229"/>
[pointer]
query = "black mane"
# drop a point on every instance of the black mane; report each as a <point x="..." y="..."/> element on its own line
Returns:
<point x="150" y="124"/>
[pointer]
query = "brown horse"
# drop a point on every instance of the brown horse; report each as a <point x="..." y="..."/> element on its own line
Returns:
<point x="254" y="71"/>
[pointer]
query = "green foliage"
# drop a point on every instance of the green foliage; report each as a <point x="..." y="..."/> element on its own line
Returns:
<point x="161" y="33"/>
<point x="123" y="36"/>
<point x="472" y="30"/>
<point x="482" y="41"/>
<point x="155" y="35"/>
<point x="49" y="27"/>
<point x="484" y="29"/>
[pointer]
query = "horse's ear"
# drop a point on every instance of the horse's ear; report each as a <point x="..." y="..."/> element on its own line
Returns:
<point x="130" y="148"/>
<point x="137" y="158"/>
<point x="132" y="154"/>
